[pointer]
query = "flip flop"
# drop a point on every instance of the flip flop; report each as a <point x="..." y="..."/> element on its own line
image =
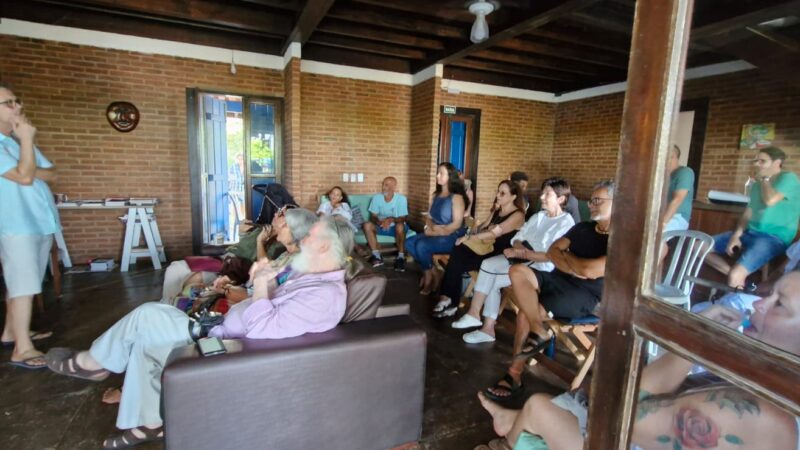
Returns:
<point x="26" y="363"/>
<point x="514" y="389"/>
<point x="534" y="344"/>
<point x="63" y="361"/>
<point x="127" y="439"/>
<point x="35" y="336"/>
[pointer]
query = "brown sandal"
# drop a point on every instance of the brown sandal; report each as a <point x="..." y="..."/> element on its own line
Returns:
<point x="127" y="439"/>
<point x="63" y="361"/>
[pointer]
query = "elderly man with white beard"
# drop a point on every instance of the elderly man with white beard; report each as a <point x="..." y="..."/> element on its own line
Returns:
<point x="310" y="297"/>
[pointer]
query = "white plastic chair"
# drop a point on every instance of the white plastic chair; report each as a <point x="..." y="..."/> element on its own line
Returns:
<point x="687" y="258"/>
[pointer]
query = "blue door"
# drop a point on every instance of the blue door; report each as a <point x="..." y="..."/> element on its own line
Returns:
<point x="458" y="141"/>
<point x="215" y="168"/>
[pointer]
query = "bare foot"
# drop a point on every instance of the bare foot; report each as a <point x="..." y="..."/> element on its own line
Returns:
<point x="111" y="396"/>
<point x="502" y="418"/>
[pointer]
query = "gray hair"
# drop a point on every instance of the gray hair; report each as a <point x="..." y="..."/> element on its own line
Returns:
<point x="300" y="221"/>
<point x="609" y="185"/>
<point x="340" y="234"/>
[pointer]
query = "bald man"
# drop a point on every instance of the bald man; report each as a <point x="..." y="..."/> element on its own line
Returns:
<point x="388" y="212"/>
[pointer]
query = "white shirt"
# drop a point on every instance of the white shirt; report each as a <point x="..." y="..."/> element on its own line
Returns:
<point x="540" y="231"/>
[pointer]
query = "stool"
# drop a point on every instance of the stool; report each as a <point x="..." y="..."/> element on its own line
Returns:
<point x="141" y="220"/>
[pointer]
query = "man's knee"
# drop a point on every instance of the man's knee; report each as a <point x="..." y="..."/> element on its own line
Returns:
<point x="369" y="228"/>
<point x="516" y="271"/>
<point x="400" y="231"/>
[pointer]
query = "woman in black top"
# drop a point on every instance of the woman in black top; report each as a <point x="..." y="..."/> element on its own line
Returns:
<point x="507" y="216"/>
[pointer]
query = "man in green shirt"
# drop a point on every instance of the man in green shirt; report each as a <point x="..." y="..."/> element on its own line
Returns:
<point x="680" y="194"/>
<point x="769" y="223"/>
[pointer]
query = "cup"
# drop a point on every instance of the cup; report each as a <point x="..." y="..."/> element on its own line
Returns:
<point x="219" y="238"/>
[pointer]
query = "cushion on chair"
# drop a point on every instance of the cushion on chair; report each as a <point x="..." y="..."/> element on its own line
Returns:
<point x="365" y="289"/>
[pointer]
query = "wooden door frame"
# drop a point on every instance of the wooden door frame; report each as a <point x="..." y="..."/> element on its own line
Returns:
<point x="193" y="126"/>
<point x="698" y="138"/>
<point x="630" y="312"/>
<point x="470" y="157"/>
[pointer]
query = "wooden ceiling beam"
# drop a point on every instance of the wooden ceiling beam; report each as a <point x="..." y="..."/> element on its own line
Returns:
<point x="376" y="34"/>
<point x="526" y="71"/>
<point x="549" y="15"/>
<point x="600" y="73"/>
<point x="199" y="13"/>
<point x="476" y="76"/>
<point x="332" y="55"/>
<point x="751" y="18"/>
<point x="366" y="46"/>
<point x="397" y="22"/>
<point x="291" y="5"/>
<point x="604" y="21"/>
<point x="34" y="11"/>
<point x="613" y="42"/>
<point x="307" y="22"/>
<point x="565" y="52"/>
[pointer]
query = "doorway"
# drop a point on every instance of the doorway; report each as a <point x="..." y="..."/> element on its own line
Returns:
<point x="459" y="131"/>
<point x="236" y="142"/>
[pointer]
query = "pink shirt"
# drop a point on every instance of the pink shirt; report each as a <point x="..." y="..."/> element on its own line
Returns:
<point x="308" y="303"/>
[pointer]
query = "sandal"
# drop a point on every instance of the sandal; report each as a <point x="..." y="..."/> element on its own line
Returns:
<point x="127" y="439"/>
<point x="513" y="388"/>
<point x="63" y="361"/>
<point x="534" y="344"/>
<point x="35" y="336"/>
<point x="441" y="306"/>
<point x="27" y="360"/>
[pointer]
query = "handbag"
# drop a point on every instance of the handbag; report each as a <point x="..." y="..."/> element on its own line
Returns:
<point x="480" y="246"/>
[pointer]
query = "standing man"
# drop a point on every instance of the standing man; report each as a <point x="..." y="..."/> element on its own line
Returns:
<point x="27" y="225"/>
<point x="680" y="193"/>
<point x="767" y="226"/>
<point x="388" y="213"/>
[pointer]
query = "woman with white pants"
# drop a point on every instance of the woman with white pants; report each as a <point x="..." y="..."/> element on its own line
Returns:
<point x="541" y="230"/>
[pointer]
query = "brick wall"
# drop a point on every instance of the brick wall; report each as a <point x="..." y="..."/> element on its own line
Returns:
<point x="352" y="126"/>
<point x="514" y="135"/>
<point x="587" y="131"/>
<point x="425" y="102"/>
<point x="292" y="142"/>
<point x="66" y="89"/>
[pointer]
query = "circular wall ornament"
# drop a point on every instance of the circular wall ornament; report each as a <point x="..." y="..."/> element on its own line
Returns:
<point x="123" y="116"/>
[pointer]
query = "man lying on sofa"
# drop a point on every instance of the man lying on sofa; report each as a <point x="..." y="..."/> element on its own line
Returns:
<point x="310" y="298"/>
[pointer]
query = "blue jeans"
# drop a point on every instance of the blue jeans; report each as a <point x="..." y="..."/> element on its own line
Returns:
<point x="757" y="248"/>
<point x="422" y="248"/>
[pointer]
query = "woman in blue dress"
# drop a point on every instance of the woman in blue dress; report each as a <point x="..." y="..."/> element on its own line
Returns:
<point x="443" y="223"/>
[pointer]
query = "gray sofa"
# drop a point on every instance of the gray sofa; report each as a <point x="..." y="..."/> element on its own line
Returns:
<point x="358" y="386"/>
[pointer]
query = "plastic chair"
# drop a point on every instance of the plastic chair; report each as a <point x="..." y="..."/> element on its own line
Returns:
<point x="687" y="258"/>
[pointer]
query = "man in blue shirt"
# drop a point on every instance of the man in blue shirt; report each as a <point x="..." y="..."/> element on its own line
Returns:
<point x="388" y="213"/>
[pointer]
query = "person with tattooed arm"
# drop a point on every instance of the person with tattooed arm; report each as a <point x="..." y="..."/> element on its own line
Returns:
<point x="716" y="416"/>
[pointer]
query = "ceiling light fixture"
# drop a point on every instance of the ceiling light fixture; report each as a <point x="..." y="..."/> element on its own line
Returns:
<point x="481" y="9"/>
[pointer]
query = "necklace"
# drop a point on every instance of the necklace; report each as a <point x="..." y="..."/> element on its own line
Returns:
<point x="600" y="231"/>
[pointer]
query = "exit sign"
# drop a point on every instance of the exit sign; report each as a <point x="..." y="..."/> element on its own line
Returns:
<point x="449" y="109"/>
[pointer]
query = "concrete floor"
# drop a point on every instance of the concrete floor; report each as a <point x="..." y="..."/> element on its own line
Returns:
<point x="40" y="410"/>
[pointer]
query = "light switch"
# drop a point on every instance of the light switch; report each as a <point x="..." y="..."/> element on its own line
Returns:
<point x="345" y="178"/>
<point x="353" y="178"/>
<point x="360" y="177"/>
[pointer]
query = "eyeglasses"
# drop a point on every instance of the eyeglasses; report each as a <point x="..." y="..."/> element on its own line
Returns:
<point x="11" y="102"/>
<point x="282" y="210"/>
<point x="595" y="201"/>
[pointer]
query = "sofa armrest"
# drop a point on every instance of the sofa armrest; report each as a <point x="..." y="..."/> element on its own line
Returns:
<point x="359" y="385"/>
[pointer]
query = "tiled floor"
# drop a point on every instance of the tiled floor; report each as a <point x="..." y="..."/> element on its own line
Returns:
<point x="40" y="410"/>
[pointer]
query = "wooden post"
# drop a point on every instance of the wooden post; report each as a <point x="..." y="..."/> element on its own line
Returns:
<point x="655" y="78"/>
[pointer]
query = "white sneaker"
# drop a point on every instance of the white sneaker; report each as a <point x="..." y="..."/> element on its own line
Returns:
<point x="442" y="305"/>
<point x="466" y="321"/>
<point x="477" y="337"/>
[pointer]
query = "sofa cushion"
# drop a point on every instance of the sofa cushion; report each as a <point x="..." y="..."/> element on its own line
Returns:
<point x="365" y="289"/>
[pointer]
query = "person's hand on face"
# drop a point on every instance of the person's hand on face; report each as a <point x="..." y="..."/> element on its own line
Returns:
<point x="729" y="317"/>
<point x="23" y="129"/>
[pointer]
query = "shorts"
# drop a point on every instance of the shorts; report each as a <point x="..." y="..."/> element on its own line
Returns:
<point x="24" y="259"/>
<point x="564" y="296"/>
<point x="677" y="223"/>
<point x="577" y="404"/>
<point x="757" y="248"/>
<point x="390" y="232"/>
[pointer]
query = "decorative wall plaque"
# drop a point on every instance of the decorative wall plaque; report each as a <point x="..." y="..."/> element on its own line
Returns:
<point x="123" y="116"/>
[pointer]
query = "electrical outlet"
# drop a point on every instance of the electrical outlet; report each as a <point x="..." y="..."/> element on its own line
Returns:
<point x="345" y="178"/>
<point x="360" y="177"/>
<point x="353" y="178"/>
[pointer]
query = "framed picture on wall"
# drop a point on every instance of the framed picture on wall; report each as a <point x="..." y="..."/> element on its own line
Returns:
<point x="757" y="135"/>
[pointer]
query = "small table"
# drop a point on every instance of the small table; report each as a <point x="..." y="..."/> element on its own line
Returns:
<point x="139" y="219"/>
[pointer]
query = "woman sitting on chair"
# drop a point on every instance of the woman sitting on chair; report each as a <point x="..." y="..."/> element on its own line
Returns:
<point x="529" y="246"/>
<point x="338" y="204"/>
<point x="443" y="224"/>
<point x="506" y="216"/>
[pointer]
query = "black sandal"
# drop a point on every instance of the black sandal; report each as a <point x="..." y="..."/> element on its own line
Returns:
<point x="513" y="388"/>
<point x="534" y="344"/>
<point x="127" y="439"/>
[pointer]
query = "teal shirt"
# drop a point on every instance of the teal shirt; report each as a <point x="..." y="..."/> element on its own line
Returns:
<point x="680" y="179"/>
<point x="397" y="207"/>
<point x="781" y="218"/>
<point x="26" y="210"/>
